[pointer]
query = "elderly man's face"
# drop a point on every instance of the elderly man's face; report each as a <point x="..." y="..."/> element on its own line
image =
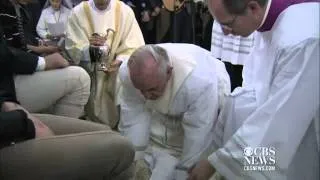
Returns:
<point x="101" y="4"/>
<point x="151" y="87"/>
<point x="55" y="4"/>
<point x="150" y="82"/>
<point x="243" y="24"/>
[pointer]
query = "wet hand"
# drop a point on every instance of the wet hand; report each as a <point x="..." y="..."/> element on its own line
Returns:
<point x="113" y="67"/>
<point x="201" y="171"/>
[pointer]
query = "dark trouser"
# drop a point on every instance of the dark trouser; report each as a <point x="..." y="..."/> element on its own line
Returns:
<point x="149" y="31"/>
<point x="80" y="150"/>
<point x="180" y="30"/>
<point x="235" y="73"/>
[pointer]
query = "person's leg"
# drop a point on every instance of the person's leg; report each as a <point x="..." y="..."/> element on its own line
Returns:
<point x="101" y="154"/>
<point x="184" y="28"/>
<point x="66" y="90"/>
<point x="64" y="125"/>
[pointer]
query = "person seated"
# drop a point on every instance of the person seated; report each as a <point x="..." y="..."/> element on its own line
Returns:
<point x="42" y="146"/>
<point x="44" y="83"/>
<point x="169" y="102"/>
<point x="15" y="18"/>
<point x="54" y="13"/>
<point x="110" y="30"/>
<point x="46" y="146"/>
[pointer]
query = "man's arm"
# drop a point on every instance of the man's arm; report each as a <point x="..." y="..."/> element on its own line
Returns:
<point x="14" y="126"/>
<point x="42" y="49"/>
<point x="14" y="60"/>
<point x="134" y="118"/>
<point x="41" y="130"/>
<point x="282" y="121"/>
<point x="197" y="124"/>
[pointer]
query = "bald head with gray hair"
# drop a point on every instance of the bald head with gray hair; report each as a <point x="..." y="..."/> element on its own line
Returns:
<point x="150" y="70"/>
<point x="150" y="53"/>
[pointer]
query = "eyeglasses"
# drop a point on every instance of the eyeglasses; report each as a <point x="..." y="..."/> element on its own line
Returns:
<point x="229" y="25"/>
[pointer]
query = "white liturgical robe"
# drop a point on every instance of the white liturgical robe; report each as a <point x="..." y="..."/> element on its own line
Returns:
<point x="230" y="48"/>
<point x="123" y="38"/>
<point x="278" y="106"/>
<point x="173" y="132"/>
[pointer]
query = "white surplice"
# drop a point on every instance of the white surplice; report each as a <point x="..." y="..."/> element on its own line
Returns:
<point x="230" y="48"/>
<point x="278" y="105"/>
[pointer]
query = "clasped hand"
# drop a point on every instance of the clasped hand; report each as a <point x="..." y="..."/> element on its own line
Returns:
<point x="97" y="40"/>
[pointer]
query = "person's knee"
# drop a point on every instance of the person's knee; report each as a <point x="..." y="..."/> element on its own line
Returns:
<point x="80" y="77"/>
<point x="115" y="153"/>
<point x="124" y="149"/>
<point x="78" y="71"/>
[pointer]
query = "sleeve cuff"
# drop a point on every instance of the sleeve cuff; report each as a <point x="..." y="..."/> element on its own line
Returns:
<point x="41" y="64"/>
<point x="181" y="174"/>
<point x="30" y="131"/>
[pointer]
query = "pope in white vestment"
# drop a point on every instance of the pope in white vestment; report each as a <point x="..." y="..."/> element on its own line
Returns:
<point x="278" y="105"/>
<point x="123" y="38"/>
<point x="174" y="131"/>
